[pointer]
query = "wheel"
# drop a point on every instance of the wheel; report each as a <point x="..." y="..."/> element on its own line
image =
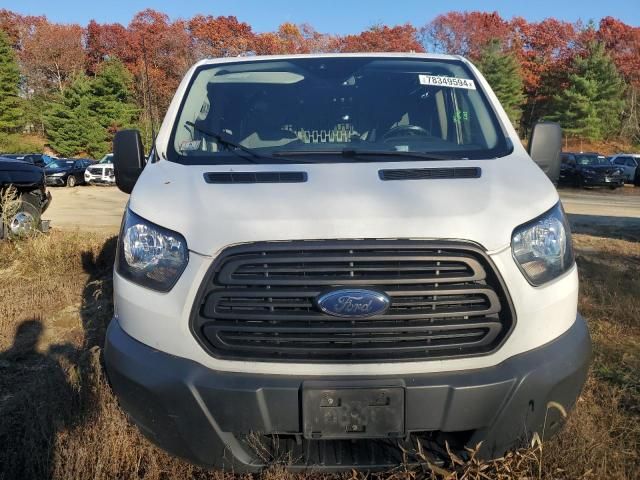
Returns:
<point x="22" y="221"/>
<point x="71" y="181"/>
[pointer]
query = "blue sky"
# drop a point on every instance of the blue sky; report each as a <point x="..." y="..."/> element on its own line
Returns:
<point x="326" y="15"/>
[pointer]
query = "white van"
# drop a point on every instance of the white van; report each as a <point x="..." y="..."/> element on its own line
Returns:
<point x="332" y="259"/>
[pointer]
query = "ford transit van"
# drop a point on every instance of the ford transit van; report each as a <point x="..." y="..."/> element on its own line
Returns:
<point x="338" y="260"/>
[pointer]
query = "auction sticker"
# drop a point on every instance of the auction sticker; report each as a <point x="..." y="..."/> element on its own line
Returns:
<point x="452" y="82"/>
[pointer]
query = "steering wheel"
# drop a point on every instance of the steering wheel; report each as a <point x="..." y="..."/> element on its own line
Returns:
<point x="406" y="131"/>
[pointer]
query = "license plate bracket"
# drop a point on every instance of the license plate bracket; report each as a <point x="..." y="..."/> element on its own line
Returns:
<point x="353" y="412"/>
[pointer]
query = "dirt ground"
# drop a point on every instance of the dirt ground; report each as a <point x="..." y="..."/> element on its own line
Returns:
<point x="96" y="208"/>
<point x="87" y="208"/>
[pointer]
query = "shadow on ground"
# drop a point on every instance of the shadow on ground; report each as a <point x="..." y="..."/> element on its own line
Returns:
<point x="47" y="391"/>
<point x="623" y="228"/>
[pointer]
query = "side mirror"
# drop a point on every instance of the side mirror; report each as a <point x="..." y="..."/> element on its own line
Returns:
<point x="128" y="158"/>
<point x="545" y="145"/>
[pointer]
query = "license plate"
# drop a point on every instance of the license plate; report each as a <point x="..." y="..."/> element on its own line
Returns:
<point x="353" y="413"/>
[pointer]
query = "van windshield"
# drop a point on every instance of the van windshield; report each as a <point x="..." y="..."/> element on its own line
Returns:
<point x="335" y="109"/>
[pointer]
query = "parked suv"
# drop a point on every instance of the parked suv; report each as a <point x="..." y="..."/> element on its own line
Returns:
<point x="21" y="212"/>
<point x="331" y="258"/>
<point x="629" y="163"/>
<point x="101" y="172"/>
<point x="590" y="170"/>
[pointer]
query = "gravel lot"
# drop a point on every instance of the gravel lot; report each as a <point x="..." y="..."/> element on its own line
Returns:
<point x="96" y="208"/>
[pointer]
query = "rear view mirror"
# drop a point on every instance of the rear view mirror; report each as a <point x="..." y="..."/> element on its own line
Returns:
<point x="128" y="158"/>
<point x="545" y="145"/>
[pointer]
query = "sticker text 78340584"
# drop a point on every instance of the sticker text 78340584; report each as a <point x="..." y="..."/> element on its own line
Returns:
<point x="453" y="82"/>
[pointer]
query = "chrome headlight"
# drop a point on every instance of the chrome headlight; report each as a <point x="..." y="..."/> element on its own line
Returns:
<point x="542" y="247"/>
<point x="150" y="255"/>
<point x="58" y="174"/>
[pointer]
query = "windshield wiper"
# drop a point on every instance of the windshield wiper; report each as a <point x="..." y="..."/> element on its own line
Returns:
<point x="232" y="145"/>
<point x="227" y="143"/>
<point x="353" y="153"/>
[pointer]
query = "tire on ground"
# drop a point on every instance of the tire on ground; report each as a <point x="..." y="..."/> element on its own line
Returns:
<point x="27" y="207"/>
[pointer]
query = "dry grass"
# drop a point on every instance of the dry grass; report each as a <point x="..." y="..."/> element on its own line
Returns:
<point x="58" y="418"/>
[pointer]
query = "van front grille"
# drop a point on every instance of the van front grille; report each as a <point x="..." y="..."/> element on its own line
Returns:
<point x="258" y="302"/>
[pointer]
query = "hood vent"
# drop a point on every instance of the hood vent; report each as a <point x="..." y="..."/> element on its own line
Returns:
<point x="255" y="177"/>
<point x="429" y="173"/>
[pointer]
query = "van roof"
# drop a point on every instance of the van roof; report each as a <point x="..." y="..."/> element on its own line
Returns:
<point x="255" y="58"/>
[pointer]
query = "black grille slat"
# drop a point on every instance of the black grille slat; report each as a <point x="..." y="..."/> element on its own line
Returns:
<point x="259" y="269"/>
<point x="429" y="173"/>
<point x="287" y="316"/>
<point x="349" y="338"/>
<point x="255" y="177"/>
<point x="258" y="302"/>
<point x="338" y="329"/>
<point x="406" y="304"/>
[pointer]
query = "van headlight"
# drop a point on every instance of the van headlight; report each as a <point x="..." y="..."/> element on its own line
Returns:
<point x="150" y="255"/>
<point x="542" y="247"/>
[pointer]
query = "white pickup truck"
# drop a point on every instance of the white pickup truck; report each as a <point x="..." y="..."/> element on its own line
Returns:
<point x="336" y="258"/>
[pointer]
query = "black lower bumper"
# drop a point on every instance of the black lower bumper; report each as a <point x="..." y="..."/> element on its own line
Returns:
<point x="230" y="420"/>
<point x="55" y="181"/>
<point x="603" y="182"/>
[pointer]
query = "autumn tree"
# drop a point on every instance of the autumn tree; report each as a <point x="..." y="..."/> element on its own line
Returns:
<point x="464" y="33"/>
<point x="381" y="38"/>
<point x="10" y="102"/>
<point x="219" y="36"/>
<point x="53" y="55"/>
<point x="104" y="42"/>
<point x="161" y="54"/>
<point x="502" y="71"/>
<point x="9" y="24"/>
<point x="591" y="104"/>
<point x="622" y="43"/>
<point x="290" y="39"/>
<point x="545" y="51"/>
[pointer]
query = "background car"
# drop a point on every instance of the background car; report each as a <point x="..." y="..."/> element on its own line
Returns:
<point x="589" y="170"/>
<point x="101" y="172"/>
<point x="32" y="197"/>
<point x="38" y="159"/>
<point x="630" y="163"/>
<point x="69" y="172"/>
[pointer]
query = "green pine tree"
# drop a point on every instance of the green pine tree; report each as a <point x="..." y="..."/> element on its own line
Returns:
<point x="592" y="104"/>
<point x="502" y="71"/>
<point x="112" y="100"/>
<point x="11" y="112"/>
<point x="85" y="117"/>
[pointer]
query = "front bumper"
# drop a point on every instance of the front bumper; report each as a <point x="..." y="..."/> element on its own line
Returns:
<point x="95" y="179"/>
<point x="603" y="181"/>
<point x="56" y="181"/>
<point x="211" y="417"/>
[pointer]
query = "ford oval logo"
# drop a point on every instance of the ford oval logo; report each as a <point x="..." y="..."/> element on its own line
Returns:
<point x="353" y="303"/>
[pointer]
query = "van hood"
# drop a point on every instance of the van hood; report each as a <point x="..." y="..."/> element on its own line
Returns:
<point x="344" y="201"/>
